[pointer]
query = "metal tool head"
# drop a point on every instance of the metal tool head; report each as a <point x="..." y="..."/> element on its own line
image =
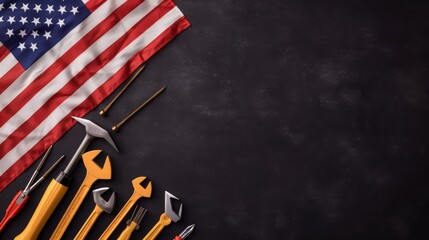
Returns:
<point x="93" y="168"/>
<point x="106" y="206"/>
<point x="169" y="208"/>
<point x="142" y="191"/>
<point x="96" y="131"/>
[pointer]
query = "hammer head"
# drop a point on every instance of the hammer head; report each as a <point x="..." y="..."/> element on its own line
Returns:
<point x="96" y="131"/>
<point x="142" y="191"/>
<point x="92" y="167"/>
<point x="169" y="208"/>
<point x="106" y="206"/>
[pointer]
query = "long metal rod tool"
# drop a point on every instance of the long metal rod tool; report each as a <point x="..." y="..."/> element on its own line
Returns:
<point x="136" y="73"/>
<point x="117" y="126"/>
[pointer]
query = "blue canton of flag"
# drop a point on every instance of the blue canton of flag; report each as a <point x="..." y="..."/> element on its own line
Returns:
<point x="30" y="28"/>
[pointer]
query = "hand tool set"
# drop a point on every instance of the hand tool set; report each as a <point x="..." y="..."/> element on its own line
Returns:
<point x="59" y="186"/>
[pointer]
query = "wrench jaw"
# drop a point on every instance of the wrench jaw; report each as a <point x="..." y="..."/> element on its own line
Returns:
<point x="169" y="207"/>
<point x="93" y="168"/>
<point x="106" y="206"/>
<point x="141" y="190"/>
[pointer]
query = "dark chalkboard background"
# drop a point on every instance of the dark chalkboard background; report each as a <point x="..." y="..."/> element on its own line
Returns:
<point x="282" y="119"/>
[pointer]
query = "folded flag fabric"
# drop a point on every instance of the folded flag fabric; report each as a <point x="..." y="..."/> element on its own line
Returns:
<point x="62" y="58"/>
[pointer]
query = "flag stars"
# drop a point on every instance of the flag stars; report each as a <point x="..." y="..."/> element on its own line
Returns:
<point x="37" y="7"/>
<point x="11" y="19"/>
<point x="33" y="46"/>
<point x="12" y="6"/>
<point x="47" y="35"/>
<point x="21" y="46"/>
<point x="25" y="7"/>
<point x="61" y="22"/>
<point x="74" y="10"/>
<point x="48" y="21"/>
<point x="62" y="9"/>
<point x="36" y="21"/>
<point x="1" y="6"/>
<point x="50" y="9"/>
<point x="22" y="33"/>
<point x="23" y="20"/>
<point x="1" y="19"/>
<point x="10" y="32"/>
<point x="34" y="33"/>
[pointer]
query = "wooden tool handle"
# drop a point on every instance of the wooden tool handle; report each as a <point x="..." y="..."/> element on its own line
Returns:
<point x="126" y="234"/>
<point x="164" y="220"/>
<point x="52" y="196"/>
<point x="84" y="230"/>
<point x="125" y="209"/>
<point x="73" y="207"/>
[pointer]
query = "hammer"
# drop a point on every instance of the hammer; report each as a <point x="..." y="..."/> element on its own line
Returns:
<point x="59" y="186"/>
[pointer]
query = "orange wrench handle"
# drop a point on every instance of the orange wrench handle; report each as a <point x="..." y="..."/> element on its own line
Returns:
<point x="84" y="230"/>
<point x="177" y="238"/>
<point x="164" y="220"/>
<point x="125" y="209"/>
<point x="73" y="207"/>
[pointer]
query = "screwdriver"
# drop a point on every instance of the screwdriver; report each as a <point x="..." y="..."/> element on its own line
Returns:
<point x="185" y="233"/>
<point x="20" y="199"/>
<point x="133" y="223"/>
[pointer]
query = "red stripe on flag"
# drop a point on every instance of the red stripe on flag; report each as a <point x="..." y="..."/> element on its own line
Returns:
<point x="3" y="52"/>
<point x="92" y="5"/>
<point x="11" y="76"/>
<point x="49" y="74"/>
<point x="93" y="67"/>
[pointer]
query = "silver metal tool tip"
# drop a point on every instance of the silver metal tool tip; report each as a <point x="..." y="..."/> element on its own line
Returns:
<point x="187" y="231"/>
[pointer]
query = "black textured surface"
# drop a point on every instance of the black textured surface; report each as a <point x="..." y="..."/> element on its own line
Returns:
<point x="282" y="119"/>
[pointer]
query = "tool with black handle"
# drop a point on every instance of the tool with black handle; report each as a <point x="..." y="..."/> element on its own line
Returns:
<point x="59" y="186"/>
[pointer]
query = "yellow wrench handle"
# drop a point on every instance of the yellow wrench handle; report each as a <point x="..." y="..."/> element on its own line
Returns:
<point x="73" y="207"/>
<point x="164" y="220"/>
<point x="126" y="234"/>
<point x="125" y="209"/>
<point x="84" y="230"/>
<point x="52" y="196"/>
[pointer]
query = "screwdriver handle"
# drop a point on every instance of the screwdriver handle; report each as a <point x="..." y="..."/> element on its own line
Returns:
<point x="13" y="209"/>
<point x="177" y="238"/>
<point x="126" y="234"/>
<point x="50" y="199"/>
<point x="73" y="207"/>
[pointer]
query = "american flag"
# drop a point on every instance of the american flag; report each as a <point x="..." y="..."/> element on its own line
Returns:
<point x="61" y="58"/>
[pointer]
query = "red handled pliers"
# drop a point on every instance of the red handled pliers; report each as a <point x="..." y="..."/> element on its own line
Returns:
<point x="21" y="198"/>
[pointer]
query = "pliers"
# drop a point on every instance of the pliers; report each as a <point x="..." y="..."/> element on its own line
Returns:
<point x="21" y="198"/>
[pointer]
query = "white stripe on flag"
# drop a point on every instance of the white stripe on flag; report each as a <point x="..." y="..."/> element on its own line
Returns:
<point x="76" y="66"/>
<point x="7" y="63"/>
<point x="90" y="86"/>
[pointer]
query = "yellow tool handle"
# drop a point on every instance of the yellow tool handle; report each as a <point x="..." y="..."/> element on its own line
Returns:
<point x="52" y="196"/>
<point x="126" y="234"/>
<point x="125" y="209"/>
<point x="84" y="230"/>
<point x="164" y="220"/>
<point x="73" y="207"/>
